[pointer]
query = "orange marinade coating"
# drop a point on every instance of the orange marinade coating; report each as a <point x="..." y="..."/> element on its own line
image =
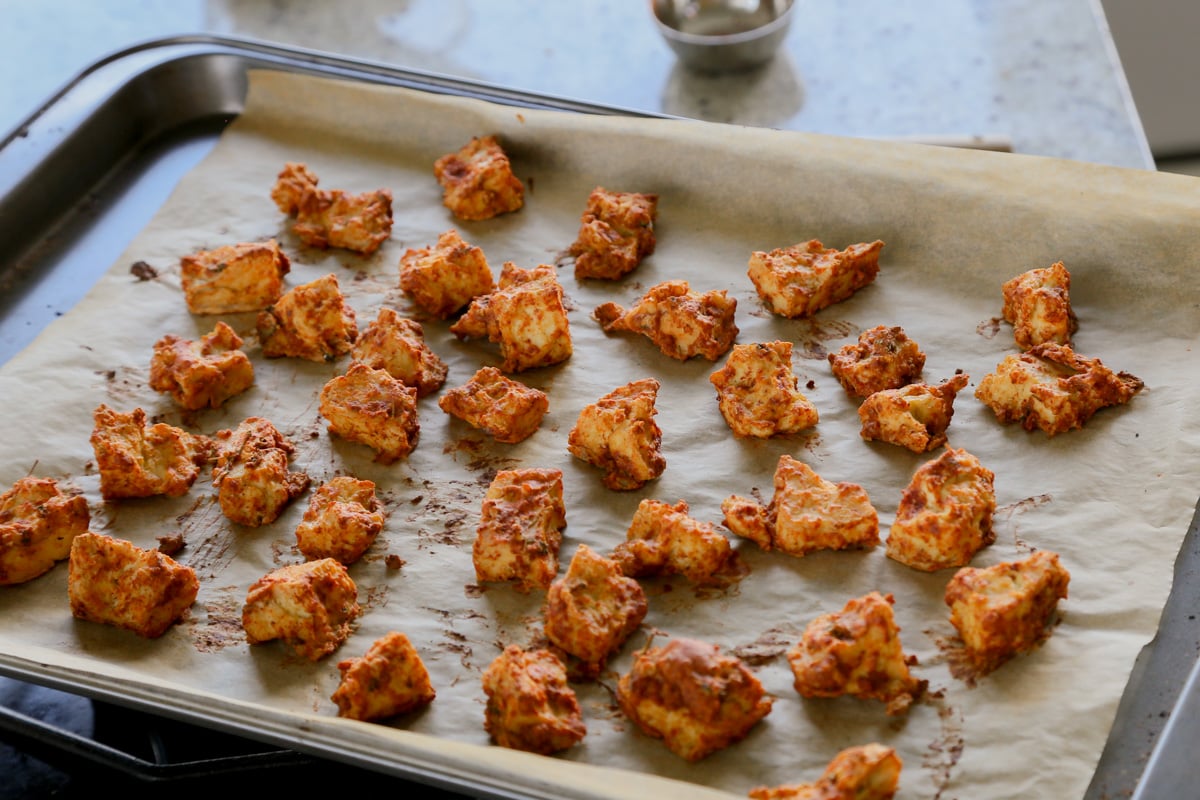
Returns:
<point x="882" y="358"/>
<point x="681" y="322"/>
<point x="342" y="520"/>
<point x="140" y="460"/>
<point x="444" y="278"/>
<point x="370" y="407"/>
<point x="251" y="473"/>
<point x="618" y="434"/>
<point x="388" y="680"/>
<point x="525" y="315"/>
<point x="38" y="522"/>
<point x="332" y="217"/>
<point x="506" y="409"/>
<point x="806" y="513"/>
<point x="915" y="416"/>
<point x="234" y="278"/>
<point x="593" y="609"/>
<point x="1038" y="304"/>
<point x="520" y="528"/>
<point x="695" y="698"/>
<point x="664" y="540"/>
<point x="114" y="582"/>
<point x="478" y="181"/>
<point x="1052" y="388"/>
<point x="201" y="373"/>
<point x="945" y="513"/>
<point x="530" y="705"/>
<point x="800" y="280"/>
<point x="867" y="772"/>
<point x="616" y="232"/>
<point x="397" y="345"/>
<point x="308" y="606"/>
<point x="311" y="321"/>
<point x="758" y="393"/>
<point x="855" y="652"/>
<point x="1008" y="608"/>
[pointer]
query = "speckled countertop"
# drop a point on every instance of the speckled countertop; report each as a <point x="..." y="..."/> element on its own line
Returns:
<point x="1041" y="75"/>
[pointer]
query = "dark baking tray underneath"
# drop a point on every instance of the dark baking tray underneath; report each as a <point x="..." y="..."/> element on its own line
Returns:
<point x="83" y="175"/>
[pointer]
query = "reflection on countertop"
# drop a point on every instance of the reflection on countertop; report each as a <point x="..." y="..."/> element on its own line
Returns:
<point x="1042" y="74"/>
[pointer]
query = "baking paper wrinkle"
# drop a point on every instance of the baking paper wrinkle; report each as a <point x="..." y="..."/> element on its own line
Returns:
<point x="1114" y="500"/>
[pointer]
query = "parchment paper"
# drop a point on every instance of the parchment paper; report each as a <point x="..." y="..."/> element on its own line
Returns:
<point x="1113" y="499"/>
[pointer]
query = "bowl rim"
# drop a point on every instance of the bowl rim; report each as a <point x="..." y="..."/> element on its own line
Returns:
<point x="712" y="40"/>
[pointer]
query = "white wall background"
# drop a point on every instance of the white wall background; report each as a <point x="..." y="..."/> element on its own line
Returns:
<point x="1158" y="42"/>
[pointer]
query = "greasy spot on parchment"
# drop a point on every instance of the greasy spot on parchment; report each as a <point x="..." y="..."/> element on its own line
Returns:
<point x="210" y="540"/>
<point x="453" y="641"/>
<point x="443" y="513"/>
<point x="942" y="755"/>
<point x="812" y="335"/>
<point x="1006" y="518"/>
<point x="221" y="625"/>
<point x="769" y="646"/>
<point x="989" y="328"/>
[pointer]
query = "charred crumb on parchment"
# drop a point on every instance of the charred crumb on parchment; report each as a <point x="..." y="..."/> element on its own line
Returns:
<point x="443" y="513"/>
<point x="143" y="271"/>
<point x="479" y="458"/>
<point x="455" y="642"/>
<point x="124" y="384"/>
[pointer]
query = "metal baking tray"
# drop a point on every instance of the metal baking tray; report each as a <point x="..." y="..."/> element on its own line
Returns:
<point x="85" y="172"/>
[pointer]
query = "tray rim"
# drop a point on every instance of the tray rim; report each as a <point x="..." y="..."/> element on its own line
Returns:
<point x="153" y="54"/>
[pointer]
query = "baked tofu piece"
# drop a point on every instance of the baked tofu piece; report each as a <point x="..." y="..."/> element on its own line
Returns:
<point x="1006" y="609"/>
<point x="507" y="410"/>
<point x="882" y="358"/>
<point x="695" y="698"/>
<point x="525" y="315"/>
<point x="1038" y="304"/>
<point x="370" y="407"/>
<point x="311" y="321"/>
<point x="915" y="416"/>
<point x="618" y="434"/>
<point x="388" y="680"/>
<point x="114" y="582"/>
<point x="945" y="513"/>
<point x="478" y="181"/>
<point x="201" y="373"/>
<point x="593" y="609"/>
<point x="867" y="772"/>
<point x="251" y="473"/>
<point x="856" y="652"/>
<point x="342" y="520"/>
<point x="520" y="528"/>
<point x="1053" y="388"/>
<point x="38" y="521"/>
<point x="681" y="322"/>
<point x="664" y="540"/>
<point x="332" y="217"/>
<point x="530" y="705"/>
<point x="616" y="232"/>
<point x="758" y="393"/>
<point x="800" y="280"/>
<point x="309" y="606"/>
<point x="234" y="278"/>
<point x="806" y="513"/>
<point x="140" y="460"/>
<point x="444" y="278"/>
<point x="397" y="345"/>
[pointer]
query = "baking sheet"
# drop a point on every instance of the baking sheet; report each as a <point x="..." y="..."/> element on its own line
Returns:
<point x="956" y="225"/>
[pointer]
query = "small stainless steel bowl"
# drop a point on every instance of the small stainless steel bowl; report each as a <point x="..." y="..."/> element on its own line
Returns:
<point x="723" y="35"/>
